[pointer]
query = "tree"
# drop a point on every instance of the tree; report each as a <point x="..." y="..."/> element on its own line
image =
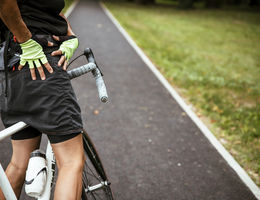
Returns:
<point x="237" y="2"/>
<point x="213" y="3"/>
<point x="233" y="2"/>
<point x="145" y="1"/>
<point x="254" y="2"/>
<point x="186" y="4"/>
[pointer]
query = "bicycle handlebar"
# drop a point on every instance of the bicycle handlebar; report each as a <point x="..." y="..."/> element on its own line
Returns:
<point x="91" y="66"/>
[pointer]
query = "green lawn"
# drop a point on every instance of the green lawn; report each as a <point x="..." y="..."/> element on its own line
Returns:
<point x="212" y="58"/>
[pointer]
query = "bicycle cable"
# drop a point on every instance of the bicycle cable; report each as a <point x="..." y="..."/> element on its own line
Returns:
<point x="74" y="60"/>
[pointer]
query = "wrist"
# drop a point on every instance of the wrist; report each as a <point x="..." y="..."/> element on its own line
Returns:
<point x="24" y="37"/>
<point x="70" y="33"/>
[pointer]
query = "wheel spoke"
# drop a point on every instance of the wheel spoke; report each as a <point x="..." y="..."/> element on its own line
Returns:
<point x="93" y="174"/>
<point x="92" y="179"/>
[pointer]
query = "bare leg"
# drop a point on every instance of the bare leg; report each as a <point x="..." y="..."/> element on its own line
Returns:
<point x="19" y="161"/>
<point x="70" y="160"/>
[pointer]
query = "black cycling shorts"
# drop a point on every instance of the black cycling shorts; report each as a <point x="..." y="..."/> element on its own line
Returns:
<point x="50" y="105"/>
<point x="30" y="132"/>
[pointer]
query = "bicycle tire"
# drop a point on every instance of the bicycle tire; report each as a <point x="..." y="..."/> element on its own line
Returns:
<point x="95" y="185"/>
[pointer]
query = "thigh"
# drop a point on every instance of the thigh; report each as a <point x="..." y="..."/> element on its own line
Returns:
<point x="69" y="152"/>
<point x="22" y="150"/>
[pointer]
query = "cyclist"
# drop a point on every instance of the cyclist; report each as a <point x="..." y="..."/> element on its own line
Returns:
<point x="42" y="98"/>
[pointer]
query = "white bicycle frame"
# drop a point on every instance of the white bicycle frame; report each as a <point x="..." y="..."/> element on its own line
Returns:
<point x="4" y="182"/>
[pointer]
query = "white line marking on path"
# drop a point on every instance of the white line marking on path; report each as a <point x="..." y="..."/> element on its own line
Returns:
<point x="213" y="140"/>
<point x="71" y="8"/>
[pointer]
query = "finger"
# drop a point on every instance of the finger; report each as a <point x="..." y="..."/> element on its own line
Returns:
<point x="31" y="65"/>
<point x="20" y="67"/>
<point x="65" y="65"/>
<point x="61" y="61"/>
<point x="48" y="67"/>
<point x="50" y="44"/>
<point x="56" y="53"/>
<point x="22" y="62"/>
<point x="44" y="60"/>
<point x="37" y="63"/>
<point x="56" y="38"/>
<point x="33" y="75"/>
<point x="41" y="72"/>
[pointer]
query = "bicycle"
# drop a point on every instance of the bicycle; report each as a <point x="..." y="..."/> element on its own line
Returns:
<point x="95" y="182"/>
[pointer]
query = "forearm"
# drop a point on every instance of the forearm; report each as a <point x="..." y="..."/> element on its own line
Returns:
<point x="69" y="32"/>
<point x="11" y="16"/>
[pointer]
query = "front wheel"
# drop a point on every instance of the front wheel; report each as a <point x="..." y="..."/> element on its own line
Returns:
<point x="95" y="183"/>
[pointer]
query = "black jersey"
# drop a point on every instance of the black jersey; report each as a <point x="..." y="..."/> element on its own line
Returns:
<point x="42" y="16"/>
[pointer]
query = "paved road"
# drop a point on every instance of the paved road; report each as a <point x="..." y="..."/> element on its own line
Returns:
<point x="150" y="148"/>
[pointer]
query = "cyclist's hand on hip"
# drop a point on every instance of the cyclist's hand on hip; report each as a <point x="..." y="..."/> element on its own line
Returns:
<point x="32" y="53"/>
<point x="68" y="46"/>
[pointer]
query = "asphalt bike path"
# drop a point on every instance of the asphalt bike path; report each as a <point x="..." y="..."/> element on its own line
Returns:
<point x="150" y="148"/>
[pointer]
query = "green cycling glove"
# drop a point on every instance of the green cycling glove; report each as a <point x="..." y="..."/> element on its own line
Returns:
<point x="68" y="47"/>
<point x="32" y="53"/>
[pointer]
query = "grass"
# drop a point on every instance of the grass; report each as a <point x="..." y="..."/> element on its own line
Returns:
<point x="212" y="57"/>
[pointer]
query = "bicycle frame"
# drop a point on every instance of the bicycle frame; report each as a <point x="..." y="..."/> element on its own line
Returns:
<point x="4" y="182"/>
<point x="50" y="172"/>
<point x="6" y="186"/>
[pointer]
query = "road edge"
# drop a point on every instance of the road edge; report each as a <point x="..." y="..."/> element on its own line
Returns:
<point x="207" y="133"/>
<point x="71" y="8"/>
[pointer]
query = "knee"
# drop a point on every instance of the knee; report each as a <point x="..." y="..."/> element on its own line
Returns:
<point x="74" y="164"/>
<point x="16" y="173"/>
<point x="78" y="165"/>
<point x="18" y="168"/>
